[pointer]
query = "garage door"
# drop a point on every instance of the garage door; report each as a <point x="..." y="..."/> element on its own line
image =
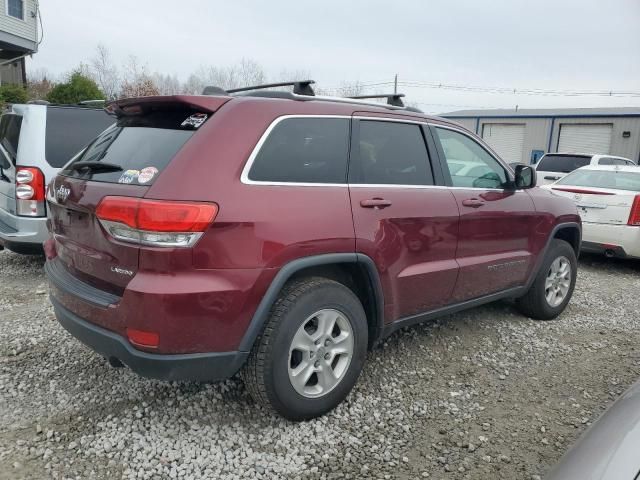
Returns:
<point x="506" y="139"/>
<point x="585" y="138"/>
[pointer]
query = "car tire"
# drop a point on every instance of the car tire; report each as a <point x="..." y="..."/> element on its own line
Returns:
<point x="553" y="285"/>
<point x="296" y="345"/>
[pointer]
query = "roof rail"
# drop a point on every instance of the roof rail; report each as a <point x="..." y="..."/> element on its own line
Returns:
<point x="394" y="99"/>
<point x="300" y="87"/>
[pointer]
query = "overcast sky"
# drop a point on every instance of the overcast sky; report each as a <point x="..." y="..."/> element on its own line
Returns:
<point x="541" y="44"/>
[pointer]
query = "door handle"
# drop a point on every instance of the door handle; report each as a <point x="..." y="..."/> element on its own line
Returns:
<point x="549" y="177"/>
<point x="375" y="203"/>
<point x="472" y="202"/>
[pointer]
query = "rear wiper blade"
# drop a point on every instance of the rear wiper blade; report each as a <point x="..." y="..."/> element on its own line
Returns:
<point x="96" y="166"/>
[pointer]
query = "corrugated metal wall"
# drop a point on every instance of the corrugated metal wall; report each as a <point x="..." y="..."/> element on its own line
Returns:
<point x="537" y="132"/>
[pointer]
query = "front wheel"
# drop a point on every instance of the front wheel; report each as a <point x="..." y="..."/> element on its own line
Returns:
<point x="553" y="286"/>
<point x="311" y="351"/>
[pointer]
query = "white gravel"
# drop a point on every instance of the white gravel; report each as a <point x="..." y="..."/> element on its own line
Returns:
<point x="482" y="394"/>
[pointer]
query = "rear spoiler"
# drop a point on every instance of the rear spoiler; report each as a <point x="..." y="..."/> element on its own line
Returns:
<point x="136" y="106"/>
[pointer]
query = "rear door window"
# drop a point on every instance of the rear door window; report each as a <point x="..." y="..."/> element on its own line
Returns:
<point x="390" y="153"/>
<point x="304" y="150"/>
<point x="10" y="125"/>
<point x="562" y="163"/>
<point x="69" y="130"/>
<point x="138" y="147"/>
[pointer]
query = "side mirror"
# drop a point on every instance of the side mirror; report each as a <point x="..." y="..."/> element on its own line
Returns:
<point x="525" y="176"/>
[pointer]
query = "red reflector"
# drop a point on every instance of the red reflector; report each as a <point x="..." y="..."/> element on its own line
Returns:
<point x="634" y="216"/>
<point x="582" y="190"/>
<point x="157" y="215"/>
<point x="143" y="339"/>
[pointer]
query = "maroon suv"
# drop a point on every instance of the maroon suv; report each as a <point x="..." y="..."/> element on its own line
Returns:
<point x="281" y="234"/>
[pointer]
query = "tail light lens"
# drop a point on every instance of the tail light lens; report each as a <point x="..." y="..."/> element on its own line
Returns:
<point x="155" y="222"/>
<point x="634" y="216"/>
<point x="30" y="192"/>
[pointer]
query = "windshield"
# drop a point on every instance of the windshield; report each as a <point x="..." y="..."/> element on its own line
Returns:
<point x="562" y="163"/>
<point x="614" y="179"/>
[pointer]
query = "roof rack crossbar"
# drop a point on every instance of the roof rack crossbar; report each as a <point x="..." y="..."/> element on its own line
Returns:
<point x="300" y="87"/>
<point x="394" y="99"/>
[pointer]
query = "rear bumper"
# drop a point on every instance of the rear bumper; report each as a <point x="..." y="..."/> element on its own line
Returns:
<point x="620" y="241"/>
<point x="22" y="234"/>
<point x="195" y="366"/>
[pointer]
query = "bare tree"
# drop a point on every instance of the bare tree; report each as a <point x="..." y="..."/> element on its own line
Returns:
<point x="350" y="89"/>
<point x="167" y="84"/>
<point x="39" y="84"/>
<point x="247" y="72"/>
<point x="136" y="81"/>
<point x="105" y="73"/>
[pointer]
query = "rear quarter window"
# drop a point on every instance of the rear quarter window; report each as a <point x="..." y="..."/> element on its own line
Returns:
<point x="304" y="150"/>
<point x="69" y="130"/>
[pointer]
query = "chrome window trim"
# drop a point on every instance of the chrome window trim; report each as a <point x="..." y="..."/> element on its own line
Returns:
<point x="244" y="177"/>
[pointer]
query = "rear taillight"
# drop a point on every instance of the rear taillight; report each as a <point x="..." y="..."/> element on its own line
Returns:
<point x="30" y="192"/>
<point x="155" y="222"/>
<point x="634" y="216"/>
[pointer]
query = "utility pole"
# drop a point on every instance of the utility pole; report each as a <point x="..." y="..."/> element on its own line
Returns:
<point x="395" y="85"/>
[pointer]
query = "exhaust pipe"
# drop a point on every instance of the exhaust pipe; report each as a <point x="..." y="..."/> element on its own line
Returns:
<point x="609" y="253"/>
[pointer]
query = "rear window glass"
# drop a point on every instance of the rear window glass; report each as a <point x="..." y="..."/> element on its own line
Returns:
<point x="613" y="161"/>
<point x="137" y="148"/>
<point x="391" y="153"/>
<point x="562" y="163"/>
<point x="618" y="180"/>
<point x="304" y="150"/>
<point x="10" y="124"/>
<point x="69" y="130"/>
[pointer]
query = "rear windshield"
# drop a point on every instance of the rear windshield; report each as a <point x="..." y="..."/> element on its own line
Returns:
<point x="562" y="163"/>
<point x="138" y="147"/>
<point x="69" y="130"/>
<point x="10" y="124"/>
<point x="614" y="179"/>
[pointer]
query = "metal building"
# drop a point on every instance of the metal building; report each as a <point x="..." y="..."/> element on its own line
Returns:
<point x="525" y="135"/>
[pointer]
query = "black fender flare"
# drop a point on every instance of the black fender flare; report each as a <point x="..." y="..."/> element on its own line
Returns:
<point x="543" y="252"/>
<point x="261" y="314"/>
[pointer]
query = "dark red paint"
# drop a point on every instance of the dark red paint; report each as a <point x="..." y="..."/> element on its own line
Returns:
<point x="431" y="246"/>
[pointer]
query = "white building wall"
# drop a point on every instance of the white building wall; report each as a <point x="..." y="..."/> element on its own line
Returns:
<point x="26" y="28"/>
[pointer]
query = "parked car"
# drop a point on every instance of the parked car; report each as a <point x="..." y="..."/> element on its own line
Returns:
<point x="554" y="166"/>
<point x="608" y="200"/>
<point x="281" y="235"/>
<point x="608" y="450"/>
<point x="35" y="141"/>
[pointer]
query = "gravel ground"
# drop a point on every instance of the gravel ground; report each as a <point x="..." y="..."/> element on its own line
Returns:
<point x="478" y="395"/>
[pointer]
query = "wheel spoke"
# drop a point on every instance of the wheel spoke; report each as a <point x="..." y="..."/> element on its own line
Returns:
<point x="301" y="374"/>
<point x="302" y="341"/>
<point x="326" y="377"/>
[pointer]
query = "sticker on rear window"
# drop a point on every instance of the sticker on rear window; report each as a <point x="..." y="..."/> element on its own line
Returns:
<point x="129" y="176"/>
<point x="195" y="120"/>
<point x="147" y="174"/>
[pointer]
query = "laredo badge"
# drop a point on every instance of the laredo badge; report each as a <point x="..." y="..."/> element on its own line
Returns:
<point x="147" y="174"/>
<point x="195" y="120"/>
<point x="129" y="176"/>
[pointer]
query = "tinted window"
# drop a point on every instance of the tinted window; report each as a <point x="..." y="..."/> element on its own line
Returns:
<point x="146" y="141"/>
<point x="69" y="130"/>
<point x="304" y="150"/>
<point x="616" y="179"/>
<point x="562" y="163"/>
<point x="391" y="153"/>
<point x="10" y="134"/>
<point x="15" y="8"/>
<point x="479" y="169"/>
<point x="612" y="161"/>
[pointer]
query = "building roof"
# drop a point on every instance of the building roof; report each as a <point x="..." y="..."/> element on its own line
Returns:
<point x="545" y="112"/>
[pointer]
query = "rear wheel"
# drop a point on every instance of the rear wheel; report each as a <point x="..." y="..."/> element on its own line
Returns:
<point x="553" y="286"/>
<point x="311" y="351"/>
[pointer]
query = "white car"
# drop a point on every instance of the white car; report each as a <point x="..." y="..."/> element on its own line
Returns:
<point x="554" y="166"/>
<point x="608" y="200"/>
